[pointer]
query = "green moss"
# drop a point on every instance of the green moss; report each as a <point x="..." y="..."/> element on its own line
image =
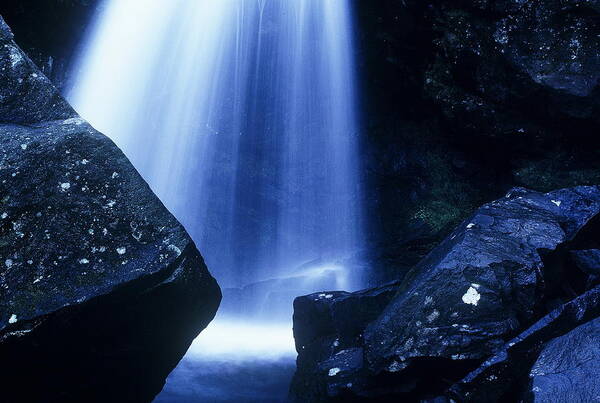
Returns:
<point x="451" y="199"/>
<point x="555" y="173"/>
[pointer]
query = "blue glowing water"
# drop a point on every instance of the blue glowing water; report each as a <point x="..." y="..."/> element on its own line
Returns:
<point x="241" y="115"/>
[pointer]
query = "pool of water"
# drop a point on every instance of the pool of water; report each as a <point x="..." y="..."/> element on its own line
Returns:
<point x="235" y="361"/>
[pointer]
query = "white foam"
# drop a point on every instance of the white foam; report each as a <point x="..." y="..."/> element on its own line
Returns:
<point x="237" y="340"/>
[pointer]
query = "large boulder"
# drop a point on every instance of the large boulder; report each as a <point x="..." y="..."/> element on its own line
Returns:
<point x="101" y="289"/>
<point x="483" y="283"/>
<point x="495" y="275"/>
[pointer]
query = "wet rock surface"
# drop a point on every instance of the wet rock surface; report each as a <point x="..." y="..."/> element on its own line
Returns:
<point x="328" y="330"/>
<point x="566" y="365"/>
<point x="101" y="289"/>
<point x="508" y="374"/>
<point x="499" y="272"/>
<point x="482" y="283"/>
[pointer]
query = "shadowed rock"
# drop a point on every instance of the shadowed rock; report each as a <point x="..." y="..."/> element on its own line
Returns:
<point x="567" y="368"/>
<point x="101" y="289"/>
<point x="494" y="276"/>
<point x="482" y="284"/>
<point x="587" y="260"/>
<point x="506" y="375"/>
<point x="328" y="329"/>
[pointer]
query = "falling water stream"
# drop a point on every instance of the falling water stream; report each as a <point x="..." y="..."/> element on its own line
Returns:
<point x="241" y="116"/>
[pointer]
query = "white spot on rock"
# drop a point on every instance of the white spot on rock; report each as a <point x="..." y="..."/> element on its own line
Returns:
<point x="334" y="371"/>
<point x="433" y="315"/>
<point x="395" y="366"/>
<point x="83" y="261"/>
<point x="13" y="319"/>
<point x="65" y="186"/>
<point x="472" y="297"/>
<point x="175" y="249"/>
<point x="8" y="262"/>
<point x="122" y="250"/>
<point x="15" y="57"/>
<point x="471" y="225"/>
<point x="73" y="121"/>
<point x="557" y="202"/>
<point x="23" y="146"/>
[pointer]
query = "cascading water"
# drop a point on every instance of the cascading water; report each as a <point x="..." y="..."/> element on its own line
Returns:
<point x="241" y="116"/>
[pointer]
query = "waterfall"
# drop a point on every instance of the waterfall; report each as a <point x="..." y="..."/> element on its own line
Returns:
<point x="241" y="116"/>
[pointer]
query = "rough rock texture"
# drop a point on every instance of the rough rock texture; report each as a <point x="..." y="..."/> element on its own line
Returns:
<point x="506" y="375"/>
<point x="467" y="99"/>
<point x="515" y="51"/>
<point x="328" y="331"/>
<point x="495" y="275"/>
<point x="101" y="289"/>
<point x="50" y="32"/>
<point x="481" y="284"/>
<point x="563" y="371"/>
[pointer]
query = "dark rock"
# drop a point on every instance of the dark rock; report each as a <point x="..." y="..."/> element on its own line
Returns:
<point x="568" y="366"/>
<point x="26" y="95"/>
<point x="509" y="90"/>
<point x="328" y="330"/>
<point x="5" y="32"/>
<point x="505" y="376"/>
<point x="494" y="58"/>
<point x="101" y="289"/>
<point x="492" y="277"/>
<point x="482" y="284"/>
<point x="51" y="32"/>
<point x="587" y="260"/>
